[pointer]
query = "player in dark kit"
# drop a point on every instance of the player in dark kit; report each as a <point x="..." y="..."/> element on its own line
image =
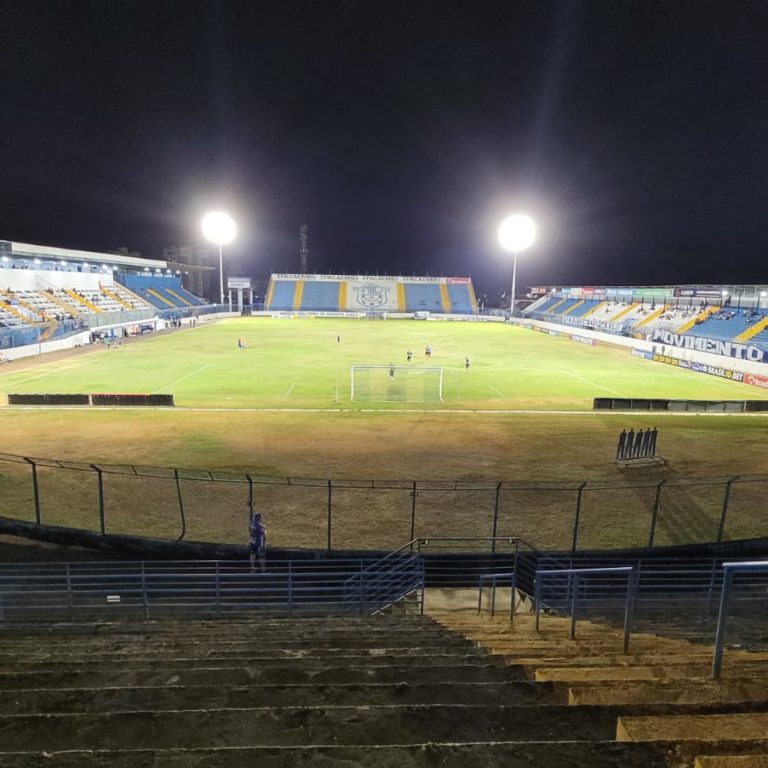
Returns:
<point x="257" y="535"/>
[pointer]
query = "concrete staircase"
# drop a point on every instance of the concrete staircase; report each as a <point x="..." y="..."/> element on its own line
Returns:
<point x="660" y="692"/>
<point x="379" y="691"/>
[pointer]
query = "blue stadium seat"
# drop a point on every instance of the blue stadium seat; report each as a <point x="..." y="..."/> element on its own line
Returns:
<point x="423" y="297"/>
<point x="282" y="294"/>
<point x="320" y="296"/>
<point x="461" y="303"/>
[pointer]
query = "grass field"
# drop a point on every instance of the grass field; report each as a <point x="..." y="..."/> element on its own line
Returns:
<point x="300" y="364"/>
<point x="478" y="434"/>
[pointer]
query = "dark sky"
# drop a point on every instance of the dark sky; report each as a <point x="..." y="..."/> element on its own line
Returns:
<point x="636" y="133"/>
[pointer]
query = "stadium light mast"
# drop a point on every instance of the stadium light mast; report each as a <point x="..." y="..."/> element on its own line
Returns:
<point x="516" y="233"/>
<point x="219" y="228"/>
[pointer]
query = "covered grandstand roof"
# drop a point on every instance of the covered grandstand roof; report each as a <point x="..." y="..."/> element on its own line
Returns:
<point x="27" y="250"/>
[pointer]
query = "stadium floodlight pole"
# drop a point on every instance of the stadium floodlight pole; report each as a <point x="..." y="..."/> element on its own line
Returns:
<point x="516" y="233"/>
<point x="219" y="228"/>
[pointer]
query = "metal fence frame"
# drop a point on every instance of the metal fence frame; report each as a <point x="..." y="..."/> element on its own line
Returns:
<point x="414" y="488"/>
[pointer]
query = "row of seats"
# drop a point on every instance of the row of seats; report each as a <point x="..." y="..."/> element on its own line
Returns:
<point x="160" y="292"/>
<point x="357" y="296"/>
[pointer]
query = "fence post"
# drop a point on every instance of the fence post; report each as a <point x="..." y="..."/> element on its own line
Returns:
<point x="181" y="505"/>
<point x="249" y="503"/>
<point x="413" y="514"/>
<point x="144" y="596"/>
<point x="655" y="515"/>
<point x="726" y="499"/>
<point x="577" y="517"/>
<point x="495" y="517"/>
<point x="629" y="608"/>
<point x="717" y="660"/>
<point x="102" y="520"/>
<point x="330" y="497"/>
<point x="35" y="488"/>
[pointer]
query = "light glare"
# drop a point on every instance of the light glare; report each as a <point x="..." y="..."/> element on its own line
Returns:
<point x="517" y="232"/>
<point x="219" y="228"/>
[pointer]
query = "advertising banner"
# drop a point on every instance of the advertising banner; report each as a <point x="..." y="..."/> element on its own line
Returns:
<point x="582" y="340"/>
<point x="238" y="282"/>
<point x="369" y="278"/>
<point x="713" y="346"/>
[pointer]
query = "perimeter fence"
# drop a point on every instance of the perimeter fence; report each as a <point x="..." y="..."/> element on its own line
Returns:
<point x="212" y="505"/>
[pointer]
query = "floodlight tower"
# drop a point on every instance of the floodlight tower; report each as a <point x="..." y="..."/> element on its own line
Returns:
<point x="304" y="248"/>
<point x="219" y="228"/>
<point x="516" y="233"/>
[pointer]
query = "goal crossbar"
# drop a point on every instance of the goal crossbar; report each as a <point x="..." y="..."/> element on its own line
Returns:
<point x="396" y="384"/>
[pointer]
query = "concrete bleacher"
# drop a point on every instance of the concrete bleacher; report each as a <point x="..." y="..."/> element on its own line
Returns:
<point x="160" y="291"/>
<point x="725" y="324"/>
<point x="423" y="297"/>
<point x="333" y="293"/>
<point x="320" y="296"/>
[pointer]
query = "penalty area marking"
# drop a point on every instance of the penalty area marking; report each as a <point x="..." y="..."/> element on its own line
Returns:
<point x="290" y="389"/>
<point x="183" y="378"/>
<point x="497" y="391"/>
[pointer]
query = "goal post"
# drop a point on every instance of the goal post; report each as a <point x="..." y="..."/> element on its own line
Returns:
<point x="395" y="384"/>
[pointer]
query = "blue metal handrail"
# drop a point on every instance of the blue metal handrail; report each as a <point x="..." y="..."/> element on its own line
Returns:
<point x="574" y="575"/>
<point x="494" y="578"/>
<point x="729" y="571"/>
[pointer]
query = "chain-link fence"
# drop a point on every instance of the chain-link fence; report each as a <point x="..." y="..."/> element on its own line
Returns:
<point x="213" y="506"/>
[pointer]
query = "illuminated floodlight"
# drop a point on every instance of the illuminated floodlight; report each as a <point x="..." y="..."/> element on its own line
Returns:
<point x="220" y="229"/>
<point x="516" y="233"/>
<point x="63" y="263"/>
<point x="37" y="261"/>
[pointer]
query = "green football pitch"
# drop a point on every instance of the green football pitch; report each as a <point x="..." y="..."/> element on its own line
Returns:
<point x="306" y="363"/>
<point x="281" y="407"/>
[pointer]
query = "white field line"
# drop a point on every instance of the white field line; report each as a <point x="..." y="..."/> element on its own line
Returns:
<point x="497" y="391"/>
<point x="591" y="383"/>
<point x="290" y="389"/>
<point x="183" y="378"/>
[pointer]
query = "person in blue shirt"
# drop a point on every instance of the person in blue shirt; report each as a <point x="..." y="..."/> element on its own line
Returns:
<point x="257" y="534"/>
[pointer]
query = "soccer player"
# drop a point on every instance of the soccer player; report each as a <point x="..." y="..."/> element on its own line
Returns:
<point x="408" y="355"/>
<point x="257" y="535"/>
<point x="466" y="362"/>
<point x="391" y="371"/>
<point x="428" y="352"/>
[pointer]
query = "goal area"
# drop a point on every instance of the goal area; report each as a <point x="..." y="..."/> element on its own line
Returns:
<point x="396" y="384"/>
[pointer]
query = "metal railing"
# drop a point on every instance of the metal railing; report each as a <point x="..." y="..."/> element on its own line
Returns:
<point x="147" y="589"/>
<point x="730" y="570"/>
<point x="493" y="579"/>
<point x="396" y="577"/>
<point x="576" y="578"/>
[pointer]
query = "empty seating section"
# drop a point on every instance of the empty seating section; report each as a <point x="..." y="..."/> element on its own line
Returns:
<point x="461" y="301"/>
<point x="161" y="292"/>
<point x="127" y="297"/>
<point x="282" y="293"/>
<point x="322" y="296"/>
<point x="546" y="305"/>
<point x="423" y="297"/>
<point x="586" y="306"/>
<point x="725" y="324"/>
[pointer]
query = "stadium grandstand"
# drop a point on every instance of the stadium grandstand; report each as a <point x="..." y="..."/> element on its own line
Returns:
<point x="63" y="298"/>
<point x="371" y="294"/>
<point x="727" y="313"/>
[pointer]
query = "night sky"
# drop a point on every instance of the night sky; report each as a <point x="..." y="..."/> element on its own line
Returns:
<point x="636" y="133"/>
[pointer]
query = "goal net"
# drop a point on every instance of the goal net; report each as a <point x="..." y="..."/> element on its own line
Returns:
<point x="396" y="384"/>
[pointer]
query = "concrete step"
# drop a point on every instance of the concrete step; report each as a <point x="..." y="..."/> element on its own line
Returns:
<point x="91" y="676"/>
<point x="165" y="697"/>
<point x="689" y="692"/>
<point x="270" y="726"/>
<point x="537" y="754"/>
<point x="255" y="655"/>
<point x="175" y="663"/>
<point x="629" y="660"/>
<point x="721" y="728"/>
<point x="648" y="673"/>
<point x="732" y="761"/>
